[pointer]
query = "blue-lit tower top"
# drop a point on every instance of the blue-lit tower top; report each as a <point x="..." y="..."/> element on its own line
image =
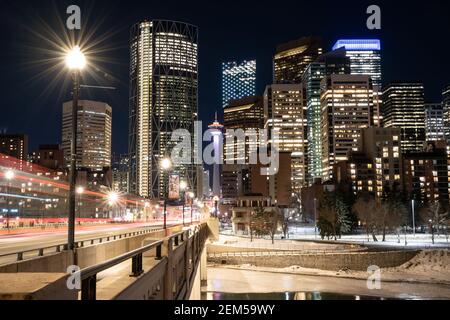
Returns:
<point x="238" y="80"/>
<point x="365" y="57"/>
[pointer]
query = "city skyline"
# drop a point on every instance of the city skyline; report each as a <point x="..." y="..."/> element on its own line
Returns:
<point x="267" y="151"/>
<point x="209" y="100"/>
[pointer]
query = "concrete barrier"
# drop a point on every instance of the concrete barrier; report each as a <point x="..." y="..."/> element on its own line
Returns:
<point x="359" y="261"/>
<point x="86" y="256"/>
<point x="35" y="286"/>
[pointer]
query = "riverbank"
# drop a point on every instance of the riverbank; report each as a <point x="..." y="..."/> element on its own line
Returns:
<point x="247" y="279"/>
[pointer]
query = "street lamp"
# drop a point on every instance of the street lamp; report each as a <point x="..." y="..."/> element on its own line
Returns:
<point x="113" y="199"/>
<point x="183" y="187"/>
<point x="315" y="218"/>
<point x="9" y="175"/>
<point x="191" y="197"/>
<point x="216" y="204"/>
<point x="79" y="191"/>
<point x="413" y="218"/>
<point x="75" y="62"/>
<point x="166" y="165"/>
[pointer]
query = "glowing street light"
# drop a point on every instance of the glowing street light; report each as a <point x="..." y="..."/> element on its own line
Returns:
<point x="75" y="59"/>
<point x="9" y="175"/>
<point x="75" y="62"/>
<point x="80" y="190"/>
<point x="183" y="185"/>
<point x="166" y="164"/>
<point x="113" y="198"/>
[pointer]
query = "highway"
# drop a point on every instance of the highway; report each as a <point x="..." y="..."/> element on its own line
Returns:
<point x="10" y="244"/>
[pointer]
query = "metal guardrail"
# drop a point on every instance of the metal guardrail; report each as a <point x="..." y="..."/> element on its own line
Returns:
<point x="279" y="253"/>
<point x="89" y="274"/>
<point x="40" y="252"/>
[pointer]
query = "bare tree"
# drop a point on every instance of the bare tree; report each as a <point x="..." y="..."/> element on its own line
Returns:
<point x="366" y="209"/>
<point x="434" y="216"/>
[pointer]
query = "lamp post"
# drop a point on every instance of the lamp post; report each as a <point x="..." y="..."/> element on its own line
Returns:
<point x="75" y="61"/>
<point x="315" y="218"/>
<point x="216" y="205"/>
<point x="166" y="165"/>
<point x="191" y="197"/>
<point x="79" y="191"/>
<point x="183" y="187"/>
<point x="113" y="199"/>
<point x="9" y="175"/>
<point x="413" y="218"/>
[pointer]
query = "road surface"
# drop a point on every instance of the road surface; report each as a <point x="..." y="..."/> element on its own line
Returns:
<point x="10" y="244"/>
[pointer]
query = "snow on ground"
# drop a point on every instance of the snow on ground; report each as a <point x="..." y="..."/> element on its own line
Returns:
<point x="429" y="266"/>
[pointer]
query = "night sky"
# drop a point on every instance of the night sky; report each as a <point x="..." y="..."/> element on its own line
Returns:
<point x="415" y="40"/>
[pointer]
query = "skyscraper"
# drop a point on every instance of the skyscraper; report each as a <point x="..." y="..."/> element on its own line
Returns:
<point x="335" y="62"/>
<point x="291" y="59"/>
<point x="403" y="107"/>
<point x="238" y="80"/>
<point x="93" y="134"/>
<point x="163" y="98"/>
<point x="120" y="172"/>
<point x="446" y="110"/>
<point x="14" y="145"/>
<point x="285" y="113"/>
<point x="365" y="59"/>
<point x="346" y="102"/>
<point x="434" y="122"/>
<point x="246" y="114"/>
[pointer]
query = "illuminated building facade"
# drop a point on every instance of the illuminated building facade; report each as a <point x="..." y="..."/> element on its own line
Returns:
<point x="291" y="59"/>
<point x="285" y="113"/>
<point x="245" y="114"/>
<point x="238" y="80"/>
<point x="335" y="62"/>
<point x="426" y="174"/>
<point x="434" y="122"/>
<point x="404" y="107"/>
<point x="93" y="134"/>
<point x="377" y="163"/>
<point x="163" y="98"/>
<point x="365" y="59"/>
<point x="446" y="110"/>
<point x="14" y="145"/>
<point x="120" y="172"/>
<point x="346" y="102"/>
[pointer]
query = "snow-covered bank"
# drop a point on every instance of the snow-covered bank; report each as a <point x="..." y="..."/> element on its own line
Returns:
<point x="429" y="266"/>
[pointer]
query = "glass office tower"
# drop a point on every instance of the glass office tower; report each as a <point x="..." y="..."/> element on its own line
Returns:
<point x="346" y="102"/>
<point x="404" y="107"/>
<point x="238" y="80"/>
<point x="446" y="110"/>
<point x="291" y="59"/>
<point x="285" y="113"/>
<point x="434" y="122"/>
<point x="365" y="59"/>
<point x="163" y="98"/>
<point x="334" y="62"/>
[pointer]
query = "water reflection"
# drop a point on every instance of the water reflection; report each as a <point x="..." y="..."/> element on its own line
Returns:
<point x="285" y="296"/>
